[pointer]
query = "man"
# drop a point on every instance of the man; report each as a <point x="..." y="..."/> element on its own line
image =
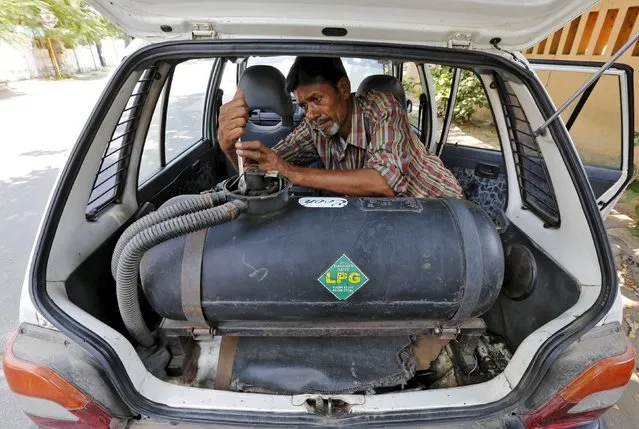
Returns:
<point x="365" y="143"/>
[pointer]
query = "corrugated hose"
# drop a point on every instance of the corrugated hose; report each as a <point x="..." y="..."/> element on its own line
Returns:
<point x="128" y="264"/>
<point x="193" y="204"/>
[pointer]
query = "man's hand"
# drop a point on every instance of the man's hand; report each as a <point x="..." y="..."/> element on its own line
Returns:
<point x="263" y="156"/>
<point x="232" y="123"/>
<point x="360" y="182"/>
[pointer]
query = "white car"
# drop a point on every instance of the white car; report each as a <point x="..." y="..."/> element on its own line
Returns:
<point x="161" y="294"/>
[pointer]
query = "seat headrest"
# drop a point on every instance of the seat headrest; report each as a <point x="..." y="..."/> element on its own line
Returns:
<point x="386" y="83"/>
<point x="265" y="89"/>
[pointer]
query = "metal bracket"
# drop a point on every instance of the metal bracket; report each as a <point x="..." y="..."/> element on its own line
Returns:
<point x="201" y="333"/>
<point x="203" y="31"/>
<point x="447" y="333"/>
<point x="461" y="41"/>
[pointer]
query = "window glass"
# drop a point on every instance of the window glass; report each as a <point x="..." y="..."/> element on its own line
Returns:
<point x="413" y="89"/>
<point x="228" y="84"/>
<point x="472" y="123"/>
<point x="597" y="130"/>
<point x="357" y="69"/>
<point x="184" y="116"/>
<point x="150" y="162"/>
<point x="185" y="109"/>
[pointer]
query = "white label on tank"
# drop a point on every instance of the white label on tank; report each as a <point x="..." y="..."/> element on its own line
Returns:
<point x="323" y="202"/>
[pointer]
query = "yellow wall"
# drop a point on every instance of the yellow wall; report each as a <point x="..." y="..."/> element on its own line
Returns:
<point x="594" y="36"/>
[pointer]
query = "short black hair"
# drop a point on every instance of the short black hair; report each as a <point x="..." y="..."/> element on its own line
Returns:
<point x="307" y="70"/>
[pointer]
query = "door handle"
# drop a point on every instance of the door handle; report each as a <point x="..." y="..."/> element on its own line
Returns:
<point x="489" y="171"/>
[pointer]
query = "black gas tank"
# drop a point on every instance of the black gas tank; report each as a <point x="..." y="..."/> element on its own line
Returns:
<point x="342" y="259"/>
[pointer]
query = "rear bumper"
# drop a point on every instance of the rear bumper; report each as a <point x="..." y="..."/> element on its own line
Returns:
<point x="599" y="424"/>
<point x="507" y="423"/>
<point x="54" y="350"/>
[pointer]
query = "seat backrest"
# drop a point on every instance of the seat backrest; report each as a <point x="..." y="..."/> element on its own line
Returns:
<point x="382" y="82"/>
<point x="265" y="93"/>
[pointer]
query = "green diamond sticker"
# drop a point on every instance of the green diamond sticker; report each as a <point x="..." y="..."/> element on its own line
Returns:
<point x="343" y="278"/>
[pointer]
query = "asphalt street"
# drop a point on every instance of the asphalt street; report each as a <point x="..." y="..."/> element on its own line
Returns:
<point x="40" y="121"/>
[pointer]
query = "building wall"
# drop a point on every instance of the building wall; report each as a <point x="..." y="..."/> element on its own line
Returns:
<point x="24" y="61"/>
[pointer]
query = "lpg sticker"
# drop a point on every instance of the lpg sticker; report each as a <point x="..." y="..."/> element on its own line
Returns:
<point x="343" y="278"/>
<point x="327" y="202"/>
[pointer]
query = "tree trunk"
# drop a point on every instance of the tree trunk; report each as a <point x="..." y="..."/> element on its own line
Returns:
<point x="99" y="48"/>
<point x="77" y="61"/>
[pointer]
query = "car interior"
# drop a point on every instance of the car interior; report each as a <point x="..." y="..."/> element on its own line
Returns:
<point x="529" y="274"/>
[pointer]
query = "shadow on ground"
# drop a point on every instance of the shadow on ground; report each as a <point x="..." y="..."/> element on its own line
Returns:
<point x="7" y="92"/>
<point x="95" y="75"/>
<point x="23" y="201"/>
<point x="38" y="153"/>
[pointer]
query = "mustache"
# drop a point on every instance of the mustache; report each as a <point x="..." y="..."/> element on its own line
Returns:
<point x="322" y="120"/>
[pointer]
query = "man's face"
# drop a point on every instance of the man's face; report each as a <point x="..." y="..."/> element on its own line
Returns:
<point x="326" y="107"/>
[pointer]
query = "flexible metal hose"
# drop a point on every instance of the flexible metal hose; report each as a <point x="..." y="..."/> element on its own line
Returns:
<point x="193" y="204"/>
<point x="129" y="263"/>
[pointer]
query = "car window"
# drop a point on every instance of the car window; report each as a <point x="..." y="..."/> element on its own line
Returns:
<point x="150" y="162"/>
<point x="413" y="89"/>
<point x="357" y="70"/>
<point x="184" y="115"/>
<point x="228" y="82"/>
<point x="597" y="129"/>
<point x="472" y="123"/>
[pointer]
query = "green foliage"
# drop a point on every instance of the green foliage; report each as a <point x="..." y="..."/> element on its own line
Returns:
<point x="412" y="87"/>
<point x="470" y="96"/>
<point x="76" y="22"/>
<point x="15" y="13"/>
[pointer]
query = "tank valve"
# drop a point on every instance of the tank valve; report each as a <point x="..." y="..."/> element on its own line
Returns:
<point x="264" y="191"/>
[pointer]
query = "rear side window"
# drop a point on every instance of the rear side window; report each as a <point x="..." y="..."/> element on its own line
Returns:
<point x="536" y="189"/>
<point x="107" y="185"/>
<point x="472" y="123"/>
<point x="597" y="128"/>
<point x="177" y="122"/>
<point x="413" y="89"/>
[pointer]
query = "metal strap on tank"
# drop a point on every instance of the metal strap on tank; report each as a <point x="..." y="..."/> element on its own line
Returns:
<point x="192" y="277"/>
<point x="473" y="266"/>
<point x="228" y="347"/>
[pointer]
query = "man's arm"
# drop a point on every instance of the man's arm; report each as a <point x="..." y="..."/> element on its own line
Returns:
<point x="400" y="158"/>
<point x="232" y="125"/>
<point x="361" y="182"/>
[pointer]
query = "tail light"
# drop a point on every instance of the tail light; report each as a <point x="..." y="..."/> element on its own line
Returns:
<point x="588" y="396"/>
<point x="44" y="388"/>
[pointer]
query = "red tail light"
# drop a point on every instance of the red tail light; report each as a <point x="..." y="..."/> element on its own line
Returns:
<point x="37" y="381"/>
<point x="563" y="409"/>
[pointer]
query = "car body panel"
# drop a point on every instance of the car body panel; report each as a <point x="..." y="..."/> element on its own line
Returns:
<point x="518" y="24"/>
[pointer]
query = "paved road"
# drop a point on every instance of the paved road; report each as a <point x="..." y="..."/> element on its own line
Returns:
<point x="39" y="122"/>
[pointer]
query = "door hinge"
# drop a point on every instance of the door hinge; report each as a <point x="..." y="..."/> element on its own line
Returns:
<point x="461" y="41"/>
<point x="203" y="31"/>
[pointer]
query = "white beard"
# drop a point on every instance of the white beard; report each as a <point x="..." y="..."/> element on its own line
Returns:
<point x="332" y="131"/>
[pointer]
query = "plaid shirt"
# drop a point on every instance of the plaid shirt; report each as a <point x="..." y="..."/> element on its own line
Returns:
<point x="380" y="138"/>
